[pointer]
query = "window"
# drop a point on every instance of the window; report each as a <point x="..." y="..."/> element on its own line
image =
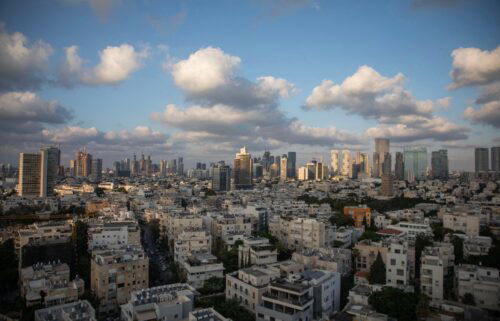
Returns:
<point x="393" y="261"/>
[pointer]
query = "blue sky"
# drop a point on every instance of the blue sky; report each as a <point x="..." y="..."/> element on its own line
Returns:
<point x="302" y="42"/>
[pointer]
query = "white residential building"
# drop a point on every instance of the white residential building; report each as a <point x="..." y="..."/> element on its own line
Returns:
<point x="115" y="234"/>
<point x="400" y="264"/>
<point x="256" y="251"/>
<point x="326" y="291"/>
<point x="436" y="263"/>
<point x="193" y="241"/>
<point x="482" y="282"/>
<point x="201" y="267"/>
<point x="464" y="222"/>
<point x="411" y="229"/>
<point x="78" y="310"/>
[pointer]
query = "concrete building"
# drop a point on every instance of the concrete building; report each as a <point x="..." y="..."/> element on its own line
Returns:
<point x="177" y="222"/>
<point x="360" y="214"/>
<point x="38" y="172"/>
<point x="382" y="149"/>
<point x="286" y="300"/>
<point x="346" y="163"/>
<point x="223" y="225"/>
<point x="116" y="274"/>
<point x="201" y="267"/>
<point x="437" y="262"/>
<point x="74" y="311"/>
<point x="387" y="186"/>
<point x="411" y="229"/>
<point x="463" y="222"/>
<point x="43" y="232"/>
<point x="113" y="234"/>
<point x="208" y="314"/>
<point x="298" y="233"/>
<point x="247" y="285"/>
<point x="326" y="291"/>
<point x="335" y="163"/>
<point x="221" y="177"/>
<point x="477" y="245"/>
<point x="243" y="170"/>
<point x="329" y="259"/>
<point x="439" y="163"/>
<point x="400" y="265"/>
<point x="256" y="251"/>
<point x="481" y="159"/>
<point x="284" y="167"/>
<point x="165" y="302"/>
<point x="191" y="242"/>
<point x="96" y="171"/>
<point x="83" y="163"/>
<point x="495" y="159"/>
<point x="53" y="279"/>
<point x="399" y="168"/>
<point x="365" y="253"/>
<point x="482" y="282"/>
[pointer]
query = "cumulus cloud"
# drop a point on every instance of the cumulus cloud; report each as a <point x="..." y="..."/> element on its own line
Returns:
<point x="116" y="64"/>
<point x="27" y="112"/>
<point x="369" y="94"/>
<point x="488" y="114"/>
<point x="22" y="64"/>
<point x="473" y="66"/>
<point x="270" y="86"/>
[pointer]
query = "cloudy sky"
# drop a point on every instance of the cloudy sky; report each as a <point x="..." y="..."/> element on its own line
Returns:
<point x="199" y="79"/>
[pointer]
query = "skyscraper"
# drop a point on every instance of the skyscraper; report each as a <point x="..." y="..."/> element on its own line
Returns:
<point x="96" y="174"/>
<point x="221" y="177"/>
<point x="346" y="163"/>
<point x="29" y="175"/>
<point x="284" y="167"/>
<point x="319" y="171"/>
<point x="439" y="164"/>
<point x="83" y="163"/>
<point x="495" y="159"/>
<point x="243" y="169"/>
<point x="386" y="189"/>
<point x="481" y="159"/>
<point x="382" y="147"/>
<point x="376" y="165"/>
<point x="387" y="164"/>
<point x="334" y="155"/>
<point x="49" y="170"/>
<point x="292" y="163"/>
<point x="163" y="168"/>
<point x="180" y="166"/>
<point x="399" y="168"/>
<point x="415" y="163"/>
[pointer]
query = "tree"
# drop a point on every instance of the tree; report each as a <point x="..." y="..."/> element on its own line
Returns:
<point x="422" y="308"/>
<point x="212" y="286"/>
<point x="8" y="269"/>
<point x="377" y="271"/>
<point x="458" y="249"/>
<point x="395" y="303"/>
<point x="468" y="299"/>
<point x="99" y="191"/>
<point x="370" y="235"/>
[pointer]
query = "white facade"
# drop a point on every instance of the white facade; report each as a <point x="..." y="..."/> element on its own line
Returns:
<point x="201" y="267"/>
<point x="400" y="264"/>
<point x="192" y="242"/>
<point x="467" y="223"/>
<point x="256" y="251"/>
<point x="482" y="282"/>
<point x="436" y="263"/>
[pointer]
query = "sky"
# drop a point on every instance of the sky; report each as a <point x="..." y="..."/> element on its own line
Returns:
<point x="200" y="79"/>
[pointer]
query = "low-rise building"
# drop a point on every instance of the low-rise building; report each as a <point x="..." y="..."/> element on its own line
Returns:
<point x="360" y="214"/>
<point x="256" y="251"/>
<point x="74" y="311"/>
<point x="193" y="241"/>
<point x="329" y="259"/>
<point x="115" y="274"/>
<point x="437" y="261"/>
<point x="411" y="230"/>
<point x="165" y="302"/>
<point x="208" y="314"/>
<point x="365" y="252"/>
<point x="43" y="232"/>
<point x="326" y="291"/>
<point x="113" y="234"/>
<point x="201" y="267"/>
<point x="483" y="283"/>
<point x="463" y="222"/>
<point x="400" y="264"/>
<point x="477" y="245"/>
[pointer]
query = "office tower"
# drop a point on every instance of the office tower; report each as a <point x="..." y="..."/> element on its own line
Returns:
<point x="292" y="163"/>
<point x="50" y="160"/>
<point x="258" y="170"/>
<point x="221" y="177"/>
<point x="387" y="185"/>
<point x="72" y="167"/>
<point x="415" y="163"/>
<point x="243" y="169"/>
<point x="366" y="164"/>
<point x="346" y="163"/>
<point x="381" y="148"/>
<point x="311" y="170"/>
<point x="163" y="168"/>
<point x="376" y="165"/>
<point x="148" y="166"/>
<point x="495" y="159"/>
<point x="274" y="170"/>
<point x="481" y="159"/>
<point x="302" y="173"/>
<point x="439" y="164"/>
<point x="387" y="164"/>
<point x="319" y="171"/>
<point x="277" y="161"/>
<point x="83" y="163"/>
<point x="96" y="174"/>
<point x="334" y="155"/>
<point x="29" y="175"/>
<point x="180" y="166"/>
<point x="399" y="168"/>
<point x="283" y="167"/>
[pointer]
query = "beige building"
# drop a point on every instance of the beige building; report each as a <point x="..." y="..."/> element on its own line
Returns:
<point x="464" y="222"/>
<point x="176" y="223"/>
<point x="248" y="285"/>
<point x="44" y="232"/>
<point x="223" y="225"/>
<point x="243" y="170"/>
<point x="329" y="259"/>
<point x="298" y="233"/>
<point x="115" y="274"/>
<point x="365" y="252"/>
<point x="191" y="242"/>
<point x="256" y="251"/>
<point x="79" y="311"/>
<point x="51" y="279"/>
<point x="113" y="234"/>
<point x="482" y="282"/>
<point x="201" y="267"/>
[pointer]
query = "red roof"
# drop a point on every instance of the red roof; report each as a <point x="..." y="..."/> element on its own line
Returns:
<point x="362" y="274"/>
<point x="389" y="231"/>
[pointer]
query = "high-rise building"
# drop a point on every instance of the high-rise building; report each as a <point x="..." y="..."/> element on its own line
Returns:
<point x="399" y="169"/>
<point x="180" y="166"/>
<point x="72" y="167"/>
<point x="387" y="164"/>
<point x="386" y="189"/>
<point x="83" y="163"/>
<point x="481" y="159"/>
<point x="96" y="173"/>
<point x="50" y="160"/>
<point x="29" y="175"/>
<point x="319" y="171"/>
<point x="334" y="155"/>
<point x="495" y="159"/>
<point x="221" y="177"/>
<point x="439" y="164"/>
<point x="311" y="170"/>
<point x="284" y="167"/>
<point x="346" y="163"/>
<point x="292" y="160"/>
<point x="243" y="169"/>
<point x="382" y="147"/>
<point x="163" y="168"/>
<point x="415" y="163"/>
<point x="376" y="165"/>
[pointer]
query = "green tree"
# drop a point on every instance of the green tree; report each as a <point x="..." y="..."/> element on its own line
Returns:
<point x="370" y="235"/>
<point x="8" y="269"/>
<point x="377" y="271"/>
<point x="458" y="249"/>
<point x="212" y="286"/>
<point x="468" y="299"/>
<point x="395" y="303"/>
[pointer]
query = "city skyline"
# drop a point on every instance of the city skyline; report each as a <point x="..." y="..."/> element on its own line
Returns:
<point x="169" y="80"/>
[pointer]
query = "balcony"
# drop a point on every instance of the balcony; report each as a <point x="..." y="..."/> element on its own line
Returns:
<point x="299" y="302"/>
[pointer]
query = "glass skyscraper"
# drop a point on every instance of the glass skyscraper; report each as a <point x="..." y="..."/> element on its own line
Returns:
<point x="415" y="163"/>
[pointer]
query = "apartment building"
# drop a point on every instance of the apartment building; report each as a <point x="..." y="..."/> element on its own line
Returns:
<point x="477" y="245"/>
<point x="329" y="259"/>
<point x="437" y="261"/>
<point x="44" y="233"/>
<point x="177" y="222"/>
<point x="365" y="252"/>
<point x="298" y="233"/>
<point x="165" y="302"/>
<point x="400" y="264"/>
<point x="201" y="267"/>
<point x="228" y="224"/>
<point x="75" y="311"/>
<point x="411" y="229"/>
<point x="116" y="274"/>
<point x="326" y="291"/>
<point x="463" y="222"/>
<point x="192" y="241"/>
<point x="286" y="300"/>
<point x="51" y="279"/>
<point x="113" y="234"/>
<point x="359" y="214"/>
<point x="256" y="251"/>
<point x="248" y="285"/>
<point x="208" y="314"/>
<point x="482" y="282"/>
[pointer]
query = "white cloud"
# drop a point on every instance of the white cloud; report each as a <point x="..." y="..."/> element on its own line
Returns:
<point x="116" y="64"/>
<point x="269" y="86"/>
<point x="22" y="65"/>
<point x="488" y="114"/>
<point x="204" y="70"/>
<point x="444" y="102"/>
<point x="71" y="134"/>
<point x="473" y="66"/>
<point x="369" y="94"/>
